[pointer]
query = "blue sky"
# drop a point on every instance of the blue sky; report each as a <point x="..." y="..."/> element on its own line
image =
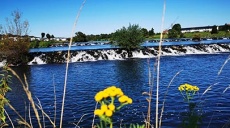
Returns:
<point x="106" y="16"/>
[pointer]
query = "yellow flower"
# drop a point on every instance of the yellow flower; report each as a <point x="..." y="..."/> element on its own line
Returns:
<point x="119" y="92"/>
<point x="111" y="107"/>
<point x="104" y="107"/>
<point x="123" y="99"/>
<point x="196" y="88"/>
<point x="108" y="113"/>
<point x="99" y="96"/>
<point x="105" y="94"/>
<point x="130" y="101"/>
<point x="113" y="88"/>
<point x="98" y="112"/>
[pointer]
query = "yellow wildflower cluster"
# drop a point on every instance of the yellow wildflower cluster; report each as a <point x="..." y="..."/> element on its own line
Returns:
<point x="105" y="109"/>
<point x="106" y="98"/>
<point x="188" y="91"/>
<point x="188" y="87"/>
<point x="112" y="92"/>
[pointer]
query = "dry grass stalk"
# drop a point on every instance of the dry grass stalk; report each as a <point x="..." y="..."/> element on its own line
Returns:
<point x="94" y="115"/>
<point x="158" y="65"/>
<point x="55" y="102"/>
<point x="29" y="95"/>
<point x="162" y="109"/>
<point x="30" y="117"/>
<point x="46" y="115"/>
<point x="23" y="121"/>
<point x="40" y="105"/>
<point x="226" y="61"/>
<point x="67" y="63"/>
<point x="226" y="89"/>
<point x="76" y="125"/>
<point x="149" y="99"/>
<point x="9" y="118"/>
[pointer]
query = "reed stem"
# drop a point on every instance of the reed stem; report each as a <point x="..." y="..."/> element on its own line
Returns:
<point x="158" y="65"/>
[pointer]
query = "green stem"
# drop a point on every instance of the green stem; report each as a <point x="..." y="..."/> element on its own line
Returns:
<point x="111" y="125"/>
<point x="101" y="123"/>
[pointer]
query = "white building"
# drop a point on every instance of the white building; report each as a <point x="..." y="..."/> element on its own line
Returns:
<point x="198" y="29"/>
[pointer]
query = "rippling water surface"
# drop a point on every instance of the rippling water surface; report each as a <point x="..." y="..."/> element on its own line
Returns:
<point x="87" y="78"/>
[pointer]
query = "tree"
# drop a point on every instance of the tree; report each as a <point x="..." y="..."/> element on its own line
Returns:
<point x="13" y="48"/>
<point x="172" y="33"/>
<point x="15" y="26"/>
<point x="214" y="30"/>
<point x="52" y="36"/>
<point x="151" y="32"/>
<point x="48" y="36"/>
<point x="128" y="38"/>
<point x="175" y="32"/>
<point x="43" y="34"/>
<point x="80" y="37"/>
<point x="145" y="32"/>
<point x="177" y="27"/>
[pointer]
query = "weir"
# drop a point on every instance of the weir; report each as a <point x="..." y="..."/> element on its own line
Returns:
<point x="121" y="54"/>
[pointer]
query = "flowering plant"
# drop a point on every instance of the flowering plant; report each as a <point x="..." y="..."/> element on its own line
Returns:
<point x="107" y="108"/>
<point x="192" y="118"/>
<point x="188" y="91"/>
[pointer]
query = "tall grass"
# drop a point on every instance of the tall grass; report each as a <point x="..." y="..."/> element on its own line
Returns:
<point x="158" y="65"/>
<point x="67" y="63"/>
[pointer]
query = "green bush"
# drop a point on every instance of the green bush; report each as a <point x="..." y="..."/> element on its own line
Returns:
<point x="128" y="38"/>
<point x="44" y="44"/>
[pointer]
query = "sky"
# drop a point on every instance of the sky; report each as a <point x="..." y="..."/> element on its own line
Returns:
<point x="57" y="17"/>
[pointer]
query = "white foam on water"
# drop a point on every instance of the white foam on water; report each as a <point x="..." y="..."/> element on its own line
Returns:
<point x="111" y="54"/>
<point x="191" y="50"/>
<point x="82" y="57"/>
<point x="139" y="54"/>
<point x="2" y="63"/>
<point x="36" y="60"/>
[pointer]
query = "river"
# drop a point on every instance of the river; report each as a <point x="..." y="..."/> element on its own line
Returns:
<point x="85" y="79"/>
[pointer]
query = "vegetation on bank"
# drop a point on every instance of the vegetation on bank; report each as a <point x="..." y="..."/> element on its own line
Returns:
<point x="129" y="38"/>
<point x="15" y="49"/>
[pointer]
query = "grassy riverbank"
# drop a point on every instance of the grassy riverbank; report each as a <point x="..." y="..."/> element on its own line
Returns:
<point x="192" y="34"/>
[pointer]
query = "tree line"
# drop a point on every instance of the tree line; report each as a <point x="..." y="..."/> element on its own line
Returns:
<point x="82" y="37"/>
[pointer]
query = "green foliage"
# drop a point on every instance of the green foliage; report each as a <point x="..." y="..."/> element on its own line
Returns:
<point x="5" y="79"/>
<point x="177" y="27"/>
<point x="80" y="37"/>
<point x="196" y="37"/>
<point x="44" y="44"/>
<point x="151" y="32"/>
<point x="34" y="44"/>
<point x="145" y="32"/>
<point x="172" y="34"/>
<point x="129" y="38"/>
<point x="175" y="32"/>
<point x="214" y="30"/>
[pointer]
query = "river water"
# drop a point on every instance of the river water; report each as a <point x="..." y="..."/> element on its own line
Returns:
<point x="85" y="79"/>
